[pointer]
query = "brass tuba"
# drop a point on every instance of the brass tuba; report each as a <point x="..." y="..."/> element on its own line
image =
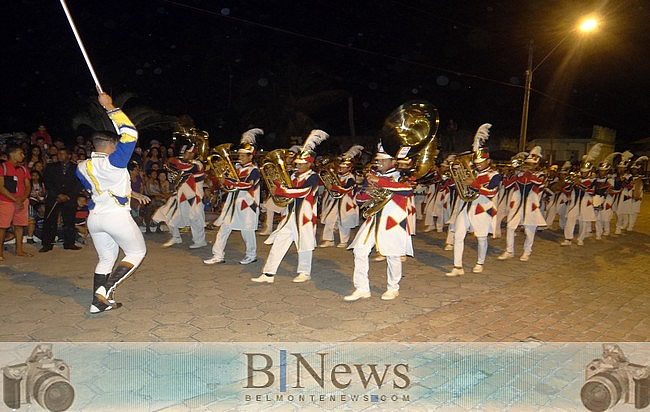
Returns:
<point x="409" y="128"/>
<point x="462" y="168"/>
<point x="274" y="169"/>
<point x="328" y="174"/>
<point x="197" y="137"/>
<point x="222" y="166"/>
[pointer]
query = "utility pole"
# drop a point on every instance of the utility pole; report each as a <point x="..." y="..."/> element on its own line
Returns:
<point x="524" y="113"/>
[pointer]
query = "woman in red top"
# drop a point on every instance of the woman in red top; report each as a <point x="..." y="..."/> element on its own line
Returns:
<point x="15" y="187"/>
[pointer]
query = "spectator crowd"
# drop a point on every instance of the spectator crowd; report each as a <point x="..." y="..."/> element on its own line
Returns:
<point x="42" y="201"/>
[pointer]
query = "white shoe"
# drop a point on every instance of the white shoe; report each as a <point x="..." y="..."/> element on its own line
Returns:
<point x="565" y="242"/>
<point x="327" y="243"/>
<point x="455" y="272"/>
<point x="478" y="268"/>
<point x="264" y="279"/>
<point x="599" y="237"/>
<point x="428" y="229"/>
<point x="505" y="255"/>
<point x="448" y="247"/>
<point x="302" y="277"/>
<point x="214" y="260"/>
<point x="379" y="258"/>
<point x="172" y="241"/>
<point x="248" y="260"/>
<point x="342" y="245"/>
<point x="390" y="294"/>
<point x="198" y="245"/>
<point x="525" y="257"/>
<point x="581" y="242"/>
<point x="356" y="295"/>
<point x="618" y="231"/>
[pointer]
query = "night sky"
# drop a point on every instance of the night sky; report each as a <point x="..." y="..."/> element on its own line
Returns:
<point x="292" y="65"/>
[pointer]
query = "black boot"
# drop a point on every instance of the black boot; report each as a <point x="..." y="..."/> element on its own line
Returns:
<point x="119" y="275"/>
<point x="100" y="301"/>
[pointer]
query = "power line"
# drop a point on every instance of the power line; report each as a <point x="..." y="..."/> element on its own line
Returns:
<point x="373" y="53"/>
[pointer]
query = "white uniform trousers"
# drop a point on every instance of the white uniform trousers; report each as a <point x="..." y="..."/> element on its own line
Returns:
<point x="622" y="221"/>
<point x="268" y="222"/>
<point x="583" y="228"/>
<point x="460" y="231"/>
<point x="328" y="231"/>
<point x="218" y="249"/>
<point x="632" y="220"/>
<point x="361" y="267"/>
<point x="602" y="224"/>
<point x="281" y="244"/>
<point x="112" y="231"/>
<point x="198" y="229"/>
<point x="529" y="230"/>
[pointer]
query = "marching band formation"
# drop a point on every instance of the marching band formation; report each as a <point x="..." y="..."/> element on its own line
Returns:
<point x="465" y="193"/>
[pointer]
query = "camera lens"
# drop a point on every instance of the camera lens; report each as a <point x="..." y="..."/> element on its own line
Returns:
<point x="601" y="392"/>
<point x="53" y="392"/>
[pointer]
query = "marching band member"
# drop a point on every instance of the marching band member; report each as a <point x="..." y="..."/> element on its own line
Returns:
<point x="431" y="195"/>
<point x="581" y="205"/>
<point x="636" y="189"/>
<point x="110" y="224"/>
<point x="387" y="230"/>
<point x="603" y="196"/>
<point x="269" y="207"/>
<point x="185" y="207"/>
<point x="623" y="200"/>
<point x="560" y="195"/>
<point x="299" y="224"/>
<point x="343" y="211"/>
<point x="477" y="216"/>
<point x="524" y="205"/>
<point x="446" y="203"/>
<point x="241" y="209"/>
<point x="503" y="194"/>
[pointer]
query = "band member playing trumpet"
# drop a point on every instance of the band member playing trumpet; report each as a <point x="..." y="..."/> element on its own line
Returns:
<point x="342" y="211"/>
<point x="478" y="215"/>
<point x="241" y="209"/>
<point x="581" y="205"/>
<point x="299" y="224"/>
<point x="524" y="205"/>
<point x="387" y="230"/>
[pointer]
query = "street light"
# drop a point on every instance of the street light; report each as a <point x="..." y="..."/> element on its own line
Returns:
<point x="588" y="24"/>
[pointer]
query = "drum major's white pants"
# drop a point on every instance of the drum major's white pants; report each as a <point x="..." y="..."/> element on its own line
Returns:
<point x="112" y="231"/>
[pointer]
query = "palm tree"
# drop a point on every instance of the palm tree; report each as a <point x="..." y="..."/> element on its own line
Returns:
<point x="145" y="118"/>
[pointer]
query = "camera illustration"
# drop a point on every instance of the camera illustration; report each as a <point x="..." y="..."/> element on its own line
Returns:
<point x="41" y="378"/>
<point x="613" y="379"/>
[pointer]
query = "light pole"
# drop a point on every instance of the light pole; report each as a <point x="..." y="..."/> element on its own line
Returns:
<point x="587" y="25"/>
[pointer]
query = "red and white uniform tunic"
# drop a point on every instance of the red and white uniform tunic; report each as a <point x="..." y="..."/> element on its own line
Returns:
<point x="240" y="211"/>
<point x="186" y="207"/>
<point x="343" y="211"/>
<point x="298" y="225"/>
<point x="524" y="200"/>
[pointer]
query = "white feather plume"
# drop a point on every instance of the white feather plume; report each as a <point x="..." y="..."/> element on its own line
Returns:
<point x="640" y="159"/>
<point x="481" y="136"/>
<point x="566" y="165"/>
<point x="626" y="156"/>
<point x="250" y="136"/>
<point x="537" y="151"/>
<point x="610" y="158"/>
<point x="353" y="152"/>
<point x="315" y="138"/>
<point x="593" y="153"/>
<point x="295" y="148"/>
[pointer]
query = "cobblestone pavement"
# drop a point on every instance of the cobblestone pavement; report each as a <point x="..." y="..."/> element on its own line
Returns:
<point x="597" y="292"/>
